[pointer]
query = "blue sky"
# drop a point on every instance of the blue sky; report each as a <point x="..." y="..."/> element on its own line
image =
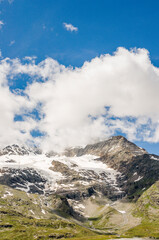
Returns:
<point x="36" y="28"/>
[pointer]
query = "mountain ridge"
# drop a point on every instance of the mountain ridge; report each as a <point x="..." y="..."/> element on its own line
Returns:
<point x="91" y="185"/>
<point x="124" y="159"/>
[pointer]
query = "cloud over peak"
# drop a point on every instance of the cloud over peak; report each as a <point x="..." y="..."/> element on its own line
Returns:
<point x="75" y="106"/>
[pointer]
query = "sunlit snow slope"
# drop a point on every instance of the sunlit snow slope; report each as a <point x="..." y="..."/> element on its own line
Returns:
<point x="84" y="175"/>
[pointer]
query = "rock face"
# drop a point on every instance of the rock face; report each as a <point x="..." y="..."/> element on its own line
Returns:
<point x="139" y="170"/>
<point x="82" y="181"/>
<point x="112" y="147"/>
<point x="27" y="180"/>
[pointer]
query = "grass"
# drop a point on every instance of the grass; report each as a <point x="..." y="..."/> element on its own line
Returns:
<point x="21" y="227"/>
<point x="145" y="229"/>
<point x="17" y="222"/>
<point x="147" y="207"/>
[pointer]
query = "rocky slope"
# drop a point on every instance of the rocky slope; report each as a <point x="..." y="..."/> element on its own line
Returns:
<point x="74" y="177"/>
<point x="138" y="169"/>
<point x="99" y="186"/>
<point x="32" y="216"/>
<point x="111" y="146"/>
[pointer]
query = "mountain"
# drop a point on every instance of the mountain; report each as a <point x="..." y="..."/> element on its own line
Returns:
<point x="102" y="188"/>
<point x="17" y="150"/>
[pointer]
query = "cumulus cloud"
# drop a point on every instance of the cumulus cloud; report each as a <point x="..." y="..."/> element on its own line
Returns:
<point x="76" y="106"/>
<point x="70" y="27"/>
<point x="10" y="105"/>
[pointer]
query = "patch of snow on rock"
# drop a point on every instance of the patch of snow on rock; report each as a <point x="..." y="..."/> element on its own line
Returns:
<point x="138" y="179"/>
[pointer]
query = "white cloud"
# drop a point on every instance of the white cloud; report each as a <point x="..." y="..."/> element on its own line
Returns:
<point x="10" y="104"/>
<point x="81" y="105"/>
<point x="11" y="42"/>
<point x="70" y="27"/>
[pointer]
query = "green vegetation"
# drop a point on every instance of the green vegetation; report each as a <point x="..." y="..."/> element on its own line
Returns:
<point x="31" y="216"/>
<point x="19" y="227"/>
<point x="147" y="207"/>
<point x="146" y="229"/>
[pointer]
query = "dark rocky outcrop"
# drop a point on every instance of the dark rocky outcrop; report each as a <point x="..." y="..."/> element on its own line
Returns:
<point x="24" y="179"/>
<point x="138" y="168"/>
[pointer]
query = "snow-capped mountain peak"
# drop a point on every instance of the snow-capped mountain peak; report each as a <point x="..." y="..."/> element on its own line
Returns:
<point x="15" y="149"/>
<point x="106" y="168"/>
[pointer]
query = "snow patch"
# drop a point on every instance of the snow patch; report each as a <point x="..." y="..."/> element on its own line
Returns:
<point x="32" y="212"/>
<point x="122" y="212"/>
<point x="40" y="163"/>
<point x="43" y="211"/>
<point x="79" y="206"/>
<point x="7" y="193"/>
<point x="138" y="179"/>
<point x="155" y="158"/>
<point x="87" y="166"/>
